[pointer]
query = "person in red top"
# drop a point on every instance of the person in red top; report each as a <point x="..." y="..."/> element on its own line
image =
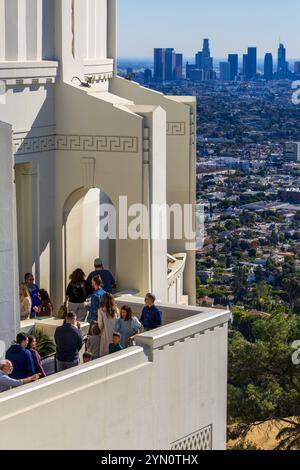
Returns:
<point x="36" y="357"/>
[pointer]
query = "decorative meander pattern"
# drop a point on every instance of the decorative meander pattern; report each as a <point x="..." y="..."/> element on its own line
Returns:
<point x="79" y="143"/>
<point x="176" y="128"/>
<point x="200" y="440"/>
<point x="34" y="145"/>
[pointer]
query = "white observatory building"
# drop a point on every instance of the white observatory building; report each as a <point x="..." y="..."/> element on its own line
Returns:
<point x="66" y="149"/>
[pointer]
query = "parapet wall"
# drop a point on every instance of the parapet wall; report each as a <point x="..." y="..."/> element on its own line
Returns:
<point x="9" y="305"/>
<point x="167" y="392"/>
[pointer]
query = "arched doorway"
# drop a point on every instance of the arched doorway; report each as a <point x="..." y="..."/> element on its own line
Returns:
<point x="81" y="241"/>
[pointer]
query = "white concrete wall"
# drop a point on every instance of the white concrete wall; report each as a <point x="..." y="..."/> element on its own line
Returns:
<point x="146" y="397"/>
<point x="10" y="315"/>
<point x="181" y="153"/>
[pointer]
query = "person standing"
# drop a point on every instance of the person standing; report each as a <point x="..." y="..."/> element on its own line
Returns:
<point x="93" y="342"/>
<point x="151" y="315"/>
<point x="21" y="358"/>
<point x="69" y="342"/>
<point x="96" y="299"/>
<point x="108" y="281"/>
<point x="77" y="293"/>
<point x="45" y="308"/>
<point x="115" y="346"/>
<point x="33" y="291"/>
<point x="107" y="318"/>
<point x="128" y="326"/>
<point x="25" y="302"/>
<point x="36" y="357"/>
<point x="6" y="382"/>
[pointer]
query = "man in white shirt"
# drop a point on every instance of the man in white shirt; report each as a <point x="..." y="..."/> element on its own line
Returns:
<point x="6" y="382"/>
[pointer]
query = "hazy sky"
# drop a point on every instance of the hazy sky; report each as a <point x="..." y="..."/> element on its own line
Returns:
<point x="231" y="25"/>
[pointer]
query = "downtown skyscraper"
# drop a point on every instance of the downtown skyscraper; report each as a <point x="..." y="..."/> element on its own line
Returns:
<point x="282" y="66"/>
<point x="268" y="67"/>
<point x="167" y="65"/>
<point x="233" y="60"/>
<point x="250" y="63"/>
<point x="203" y="69"/>
<point x="159" y="65"/>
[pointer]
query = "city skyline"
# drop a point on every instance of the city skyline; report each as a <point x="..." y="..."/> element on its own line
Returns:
<point x="230" y="30"/>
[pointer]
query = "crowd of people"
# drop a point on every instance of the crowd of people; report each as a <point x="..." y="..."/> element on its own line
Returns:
<point x="87" y="299"/>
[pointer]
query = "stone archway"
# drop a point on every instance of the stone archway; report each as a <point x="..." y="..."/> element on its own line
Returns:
<point x="81" y="241"/>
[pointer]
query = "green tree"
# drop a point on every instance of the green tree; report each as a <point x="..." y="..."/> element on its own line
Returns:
<point x="264" y="384"/>
<point x="262" y="295"/>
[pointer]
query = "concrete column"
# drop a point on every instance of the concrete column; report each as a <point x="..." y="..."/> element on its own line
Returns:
<point x="28" y="219"/>
<point x="22" y="33"/>
<point x="9" y="306"/>
<point x="11" y="33"/>
<point x="107" y="248"/>
<point x="24" y="217"/>
<point x="91" y="28"/>
<point x="112" y="31"/>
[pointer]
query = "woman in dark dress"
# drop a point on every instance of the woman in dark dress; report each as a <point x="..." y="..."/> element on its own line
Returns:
<point x="78" y="291"/>
<point x="45" y="308"/>
<point x="36" y="357"/>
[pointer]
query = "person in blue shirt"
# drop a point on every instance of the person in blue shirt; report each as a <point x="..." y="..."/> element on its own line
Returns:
<point x="96" y="299"/>
<point x="34" y="293"/>
<point x="151" y="315"/>
<point x="108" y="281"/>
<point x="21" y="358"/>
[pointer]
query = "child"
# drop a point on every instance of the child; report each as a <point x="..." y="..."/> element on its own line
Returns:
<point x="93" y="342"/>
<point x="115" y="346"/>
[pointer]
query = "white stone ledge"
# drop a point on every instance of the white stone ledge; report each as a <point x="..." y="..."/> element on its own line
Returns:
<point x="99" y="69"/>
<point x="29" y="73"/>
<point x="179" y="331"/>
<point x="70" y="382"/>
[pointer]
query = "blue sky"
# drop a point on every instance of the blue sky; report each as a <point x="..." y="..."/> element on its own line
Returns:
<point x="231" y="25"/>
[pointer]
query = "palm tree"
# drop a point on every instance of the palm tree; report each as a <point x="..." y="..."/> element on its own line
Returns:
<point x="292" y="286"/>
<point x="289" y="436"/>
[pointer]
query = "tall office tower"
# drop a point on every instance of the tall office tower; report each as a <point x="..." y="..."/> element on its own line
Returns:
<point x="159" y="65"/>
<point x="268" y="67"/>
<point x="225" y="71"/>
<point x="147" y="76"/>
<point x="170" y="64"/>
<point x="178" y="67"/>
<point x="297" y="68"/>
<point x="206" y="57"/>
<point x="245" y="64"/>
<point x="199" y="60"/>
<point x="292" y="152"/>
<point x="282" y="66"/>
<point x="251" y="63"/>
<point x="233" y="60"/>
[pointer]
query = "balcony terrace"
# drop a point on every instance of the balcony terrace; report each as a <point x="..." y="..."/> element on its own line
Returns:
<point x="130" y="399"/>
